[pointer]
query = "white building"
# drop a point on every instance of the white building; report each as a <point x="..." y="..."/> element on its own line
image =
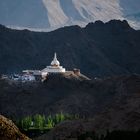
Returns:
<point x="27" y="77"/>
<point x="33" y="72"/>
<point x="54" y="68"/>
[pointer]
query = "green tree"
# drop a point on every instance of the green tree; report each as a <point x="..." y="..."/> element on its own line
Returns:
<point x="44" y="120"/>
<point x="50" y="122"/>
<point x="59" y="117"/>
<point x="62" y="117"/>
<point x="39" y="121"/>
<point x="26" y="122"/>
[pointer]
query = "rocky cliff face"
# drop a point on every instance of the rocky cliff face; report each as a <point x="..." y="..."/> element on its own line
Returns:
<point x="8" y="130"/>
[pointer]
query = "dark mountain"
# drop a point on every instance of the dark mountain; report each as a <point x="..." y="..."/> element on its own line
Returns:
<point x="99" y="49"/>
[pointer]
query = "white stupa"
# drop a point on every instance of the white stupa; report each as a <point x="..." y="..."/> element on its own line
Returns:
<point x="54" y="68"/>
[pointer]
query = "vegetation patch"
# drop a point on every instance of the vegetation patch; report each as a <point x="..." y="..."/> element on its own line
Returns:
<point x="39" y="124"/>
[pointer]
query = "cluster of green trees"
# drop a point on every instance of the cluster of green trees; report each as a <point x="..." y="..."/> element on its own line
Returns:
<point x="41" y="122"/>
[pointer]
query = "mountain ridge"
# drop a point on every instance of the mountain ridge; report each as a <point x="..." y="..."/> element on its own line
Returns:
<point x="99" y="49"/>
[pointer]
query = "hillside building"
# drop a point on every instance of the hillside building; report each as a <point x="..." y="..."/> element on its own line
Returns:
<point x="54" y="67"/>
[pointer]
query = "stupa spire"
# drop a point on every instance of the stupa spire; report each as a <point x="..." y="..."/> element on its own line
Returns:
<point x="55" y="62"/>
<point x="55" y="56"/>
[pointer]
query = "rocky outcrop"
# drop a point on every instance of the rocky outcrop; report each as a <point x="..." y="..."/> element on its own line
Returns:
<point x="8" y="130"/>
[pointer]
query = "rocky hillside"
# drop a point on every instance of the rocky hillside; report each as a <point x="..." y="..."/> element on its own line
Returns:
<point x="121" y="114"/>
<point x="85" y="129"/>
<point x="111" y="103"/>
<point x="8" y="130"/>
<point x="57" y="94"/>
<point x="99" y="49"/>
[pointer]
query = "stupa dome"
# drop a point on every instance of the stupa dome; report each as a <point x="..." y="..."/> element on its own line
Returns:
<point x="54" y="68"/>
<point x="55" y="62"/>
